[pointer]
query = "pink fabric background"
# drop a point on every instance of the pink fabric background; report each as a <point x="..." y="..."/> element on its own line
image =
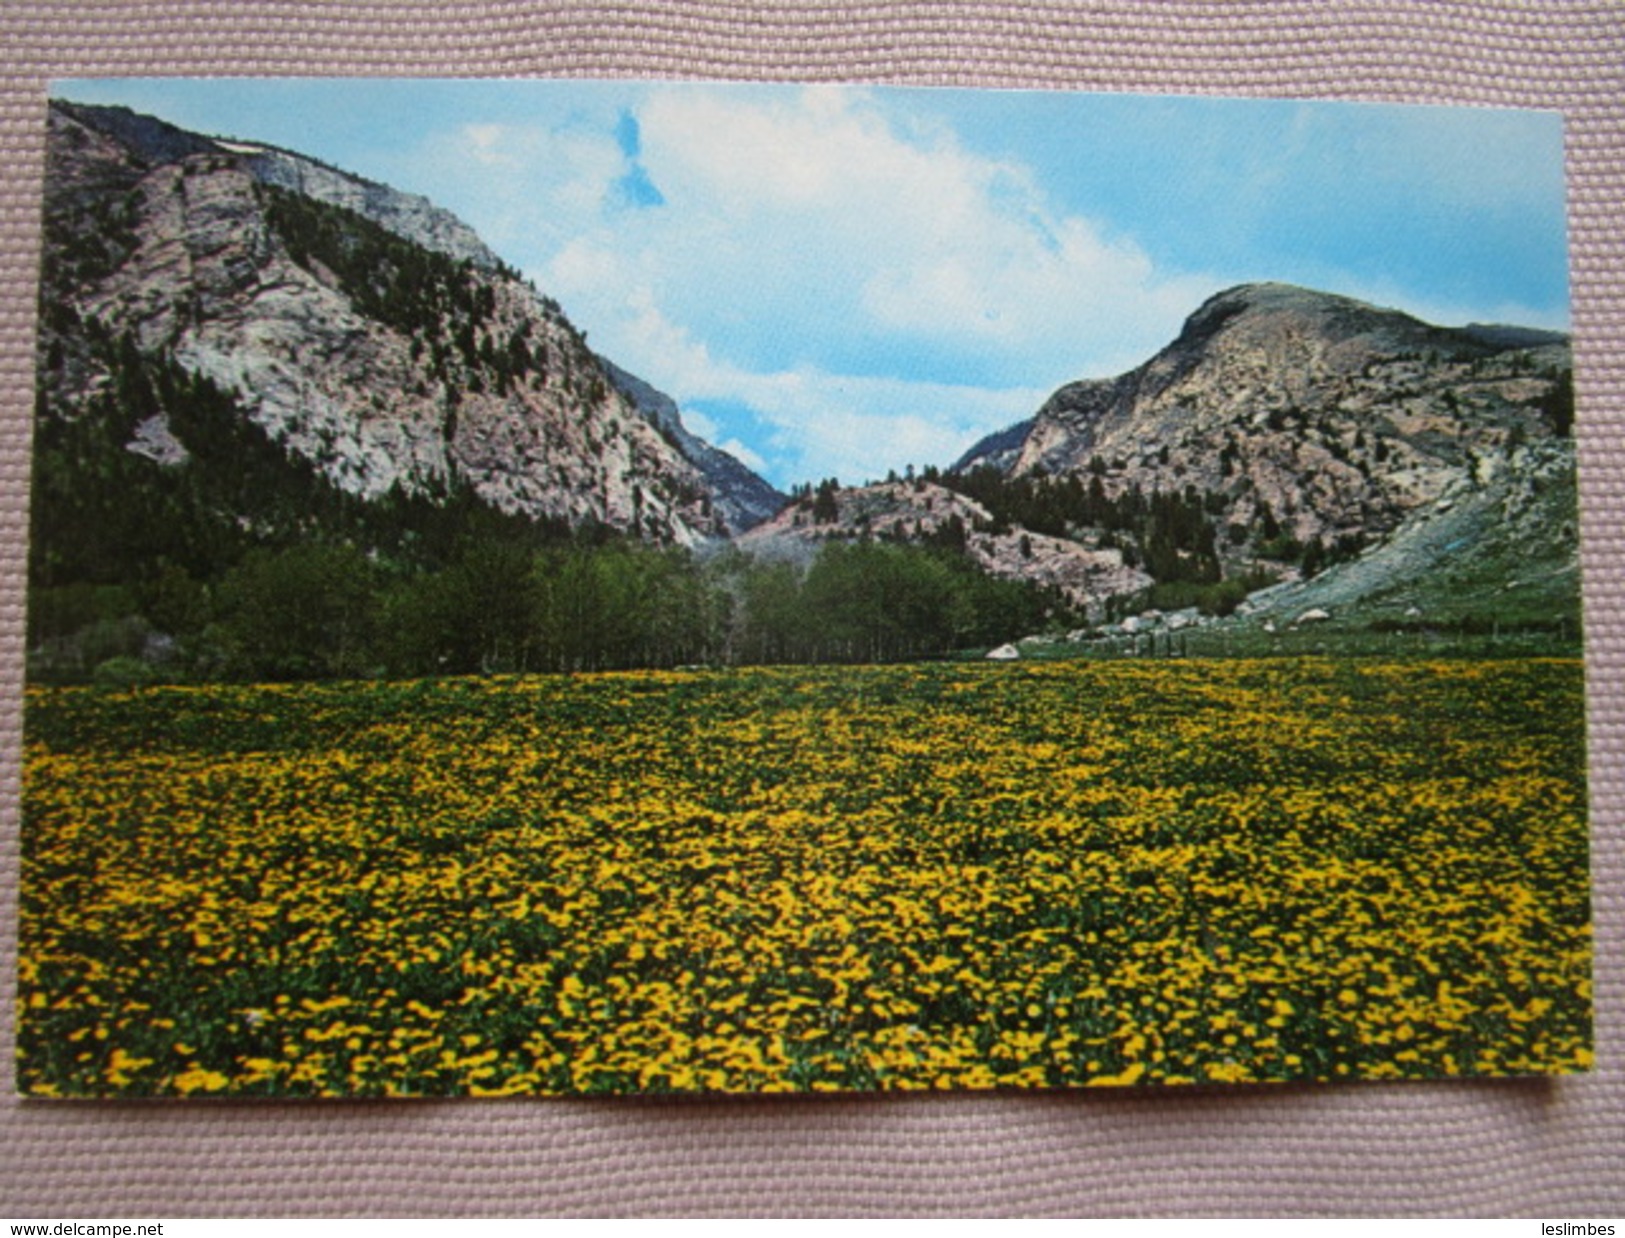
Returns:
<point x="1551" y="1149"/>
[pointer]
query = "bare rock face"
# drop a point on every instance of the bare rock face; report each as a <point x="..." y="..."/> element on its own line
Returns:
<point x="365" y="330"/>
<point x="209" y="282"/>
<point x="408" y="215"/>
<point x="1338" y="417"/>
<point x="1088" y="576"/>
<point x="146" y="141"/>
<point x="896" y="510"/>
<point x="742" y="499"/>
<point x="926" y="512"/>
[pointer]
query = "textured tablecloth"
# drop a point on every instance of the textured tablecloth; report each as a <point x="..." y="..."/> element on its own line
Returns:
<point x="1550" y="1149"/>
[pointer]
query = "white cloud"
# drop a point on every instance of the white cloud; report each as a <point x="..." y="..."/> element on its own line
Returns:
<point x="742" y="453"/>
<point x="820" y="424"/>
<point x="698" y="423"/>
<point x="907" y="235"/>
<point x="528" y="188"/>
<point x="855" y="428"/>
<point x="484" y="143"/>
<point x="877" y="293"/>
<point x="834" y="259"/>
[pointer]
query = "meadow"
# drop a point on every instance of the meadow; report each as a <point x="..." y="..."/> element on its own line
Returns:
<point x="807" y="879"/>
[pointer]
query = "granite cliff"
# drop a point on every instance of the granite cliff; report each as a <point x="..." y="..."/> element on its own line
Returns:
<point x="364" y="330"/>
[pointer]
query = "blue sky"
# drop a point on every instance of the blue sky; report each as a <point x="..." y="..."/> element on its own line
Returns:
<point x="835" y="281"/>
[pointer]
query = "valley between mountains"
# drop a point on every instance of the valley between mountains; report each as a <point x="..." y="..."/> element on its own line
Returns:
<point x="1034" y="830"/>
<point x="295" y="424"/>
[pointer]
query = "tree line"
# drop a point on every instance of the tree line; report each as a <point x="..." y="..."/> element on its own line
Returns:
<point x="243" y="561"/>
<point x="328" y="609"/>
<point x="1173" y="535"/>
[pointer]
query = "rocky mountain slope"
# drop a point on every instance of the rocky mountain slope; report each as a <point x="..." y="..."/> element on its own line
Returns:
<point x="1338" y="417"/>
<point x="238" y="341"/>
<point x="363" y="330"/>
<point x="150" y="142"/>
<point x="1292" y="436"/>
<point x="1495" y="554"/>
<point x="742" y="499"/>
<point x="923" y="512"/>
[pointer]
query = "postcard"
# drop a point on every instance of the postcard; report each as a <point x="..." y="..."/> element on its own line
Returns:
<point x="564" y="587"/>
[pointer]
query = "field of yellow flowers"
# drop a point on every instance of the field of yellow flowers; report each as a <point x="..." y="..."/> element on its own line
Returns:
<point x="807" y="879"/>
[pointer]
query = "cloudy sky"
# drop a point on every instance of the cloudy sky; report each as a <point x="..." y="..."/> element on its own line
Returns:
<point x="835" y="281"/>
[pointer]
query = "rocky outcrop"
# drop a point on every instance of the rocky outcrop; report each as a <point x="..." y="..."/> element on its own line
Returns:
<point x="1335" y="417"/>
<point x="365" y="330"/>
<point x="998" y="450"/>
<point x="923" y="512"/>
<point x="148" y="141"/>
<point x="742" y="500"/>
<point x="410" y="216"/>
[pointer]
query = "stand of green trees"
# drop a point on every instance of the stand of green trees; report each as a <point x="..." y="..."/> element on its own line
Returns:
<point x="244" y="562"/>
<point x="1172" y="535"/>
<point x="328" y="609"/>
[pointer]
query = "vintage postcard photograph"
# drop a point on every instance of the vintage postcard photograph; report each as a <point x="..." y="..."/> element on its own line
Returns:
<point x="634" y="587"/>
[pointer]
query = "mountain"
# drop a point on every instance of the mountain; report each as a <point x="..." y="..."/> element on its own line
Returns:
<point x="1502" y="335"/>
<point x="368" y="336"/>
<point x="248" y="359"/>
<point x="742" y="499"/>
<point x="1289" y="451"/>
<point x="1079" y="568"/>
<point x="1285" y="435"/>
<point x="1338" y="417"/>
<point x="150" y="142"/>
<point x="998" y="449"/>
